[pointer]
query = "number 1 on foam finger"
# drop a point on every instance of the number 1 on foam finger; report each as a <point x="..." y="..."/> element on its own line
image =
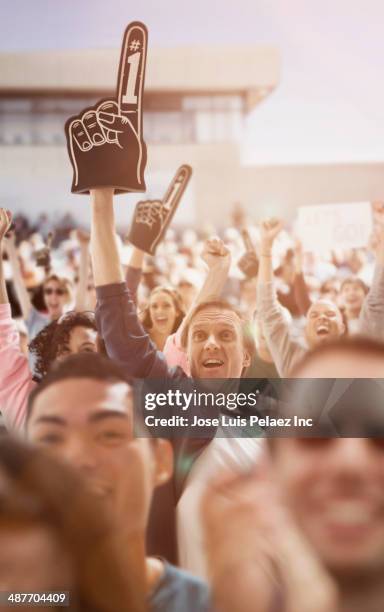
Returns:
<point x="132" y="68"/>
<point x="129" y="97"/>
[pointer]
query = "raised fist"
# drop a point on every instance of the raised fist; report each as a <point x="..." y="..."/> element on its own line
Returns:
<point x="249" y="264"/>
<point x="269" y="229"/>
<point x="82" y="237"/>
<point x="151" y="218"/>
<point x="43" y="256"/>
<point x="105" y="142"/>
<point x="216" y="253"/>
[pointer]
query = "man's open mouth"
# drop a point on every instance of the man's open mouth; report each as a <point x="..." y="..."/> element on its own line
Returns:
<point x="349" y="513"/>
<point x="213" y="363"/>
<point x="352" y="518"/>
<point x="322" y="330"/>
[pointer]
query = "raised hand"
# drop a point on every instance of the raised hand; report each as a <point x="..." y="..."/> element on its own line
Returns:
<point x="105" y="142"/>
<point x="82" y="237"/>
<point x="298" y="251"/>
<point x="378" y="212"/>
<point x="256" y="553"/>
<point x="216" y="253"/>
<point x="43" y="256"/>
<point x="5" y="222"/>
<point x="10" y="243"/>
<point x="377" y="243"/>
<point x="249" y="264"/>
<point x="151" y="218"/>
<point x="269" y="229"/>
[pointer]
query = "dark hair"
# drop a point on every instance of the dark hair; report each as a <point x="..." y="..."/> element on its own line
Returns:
<point x="55" y="336"/>
<point x="341" y="310"/>
<point x="145" y="315"/>
<point x="82" y="365"/>
<point x="354" y="280"/>
<point x="39" y="490"/>
<point x="221" y="304"/>
<point x="358" y="345"/>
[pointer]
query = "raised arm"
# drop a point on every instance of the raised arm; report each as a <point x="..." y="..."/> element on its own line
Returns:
<point x="269" y="230"/>
<point x="275" y="328"/>
<point x="300" y="288"/>
<point x="20" y="288"/>
<point x="107" y="268"/>
<point x="372" y="312"/>
<point x="134" y="270"/>
<point x="5" y="223"/>
<point x="218" y="260"/>
<point x="137" y="258"/>
<point x="116" y="315"/>
<point x="217" y="257"/>
<point x="81" y="289"/>
<point x="15" y="377"/>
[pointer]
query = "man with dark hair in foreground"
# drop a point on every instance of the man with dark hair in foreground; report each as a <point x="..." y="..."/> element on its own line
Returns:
<point x="83" y="412"/>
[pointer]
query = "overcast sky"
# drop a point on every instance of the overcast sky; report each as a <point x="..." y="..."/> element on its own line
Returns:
<point x="330" y="103"/>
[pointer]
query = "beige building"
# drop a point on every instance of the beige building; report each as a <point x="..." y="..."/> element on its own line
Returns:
<point x="195" y="106"/>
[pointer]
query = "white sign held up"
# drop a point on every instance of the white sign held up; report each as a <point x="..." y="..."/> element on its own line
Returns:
<point x="334" y="226"/>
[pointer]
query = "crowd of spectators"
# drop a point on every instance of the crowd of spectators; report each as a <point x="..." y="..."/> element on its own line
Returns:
<point x="101" y="512"/>
<point x="221" y="522"/>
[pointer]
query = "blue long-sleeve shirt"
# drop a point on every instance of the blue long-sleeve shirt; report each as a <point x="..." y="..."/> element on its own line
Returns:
<point x="125" y="338"/>
<point x="128" y="343"/>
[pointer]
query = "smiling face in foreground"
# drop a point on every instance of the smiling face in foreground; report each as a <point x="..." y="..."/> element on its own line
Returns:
<point x="89" y="424"/>
<point x="335" y="486"/>
<point x="215" y="344"/>
<point x="324" y="323"/>
<point x="162" y="312"/>
<point x="335" y="490"/>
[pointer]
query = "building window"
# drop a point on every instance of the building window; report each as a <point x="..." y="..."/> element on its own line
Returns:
<point x="174" y="119"/>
